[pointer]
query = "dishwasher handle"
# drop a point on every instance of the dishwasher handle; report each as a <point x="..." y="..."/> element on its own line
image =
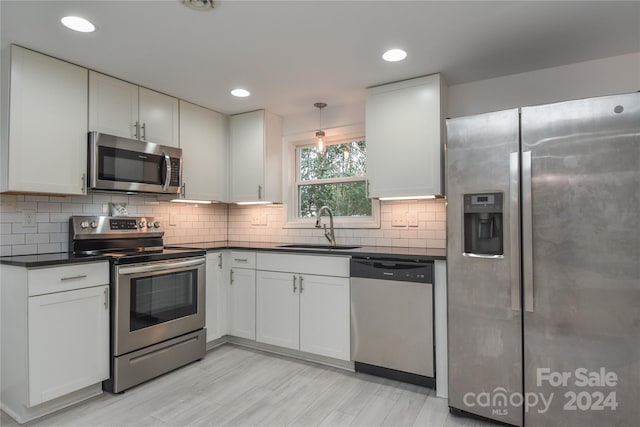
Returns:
<point x="408" y="271"/>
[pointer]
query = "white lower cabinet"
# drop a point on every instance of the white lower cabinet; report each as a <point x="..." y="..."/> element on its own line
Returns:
<point x="55" y="336"/>
<point x="304" y="311"/>
<point x="242" y="303"/>
<point x="216" y="297"/>
<point x="68" y="342"/>
<point x="325" y="316"/>
<point x="277" y="309"/>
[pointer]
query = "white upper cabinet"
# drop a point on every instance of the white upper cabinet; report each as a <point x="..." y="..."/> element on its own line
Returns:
<point x="255" y="157"/>
<point x="45" y="148"/>
<point x="113" y="106"/>
<point x="123" y="109"/>
<point x="404" y="133"/>
<point x="204" y="143"/>
<point x="158" y="115"/>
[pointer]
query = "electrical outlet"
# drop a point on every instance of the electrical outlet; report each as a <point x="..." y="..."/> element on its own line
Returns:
<point x="173" y="220"/>
<point x="399" y="220"/>
<point x="255" y="219"/>
<point x="29" y="218"/>
<point x="263" y="219"/>
<point x="413" y="219"/>
<point x="8" y="203"/>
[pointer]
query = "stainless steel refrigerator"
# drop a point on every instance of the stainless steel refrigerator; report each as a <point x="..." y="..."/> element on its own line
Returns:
<point x="543" y="254"/>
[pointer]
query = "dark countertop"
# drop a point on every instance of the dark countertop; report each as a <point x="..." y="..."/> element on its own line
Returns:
<point x="61" y="258"/>
<point x="44" y="260"/>
<point x="363" y="251"/>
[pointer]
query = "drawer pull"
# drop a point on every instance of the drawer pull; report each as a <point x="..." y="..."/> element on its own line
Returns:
<point x="241" y="260"/>
<point x="81" y="276"/>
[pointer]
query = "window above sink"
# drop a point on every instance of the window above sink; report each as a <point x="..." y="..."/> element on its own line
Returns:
<point x="335" y="177"/>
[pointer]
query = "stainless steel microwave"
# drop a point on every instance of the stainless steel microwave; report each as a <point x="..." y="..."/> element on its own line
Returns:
<point x="122" y="164"/>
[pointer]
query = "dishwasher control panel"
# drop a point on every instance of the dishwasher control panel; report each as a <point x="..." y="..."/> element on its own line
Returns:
<point x="399" y="270"/>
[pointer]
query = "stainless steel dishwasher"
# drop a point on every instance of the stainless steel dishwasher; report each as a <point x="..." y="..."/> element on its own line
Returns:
<point x="392" y="325"/>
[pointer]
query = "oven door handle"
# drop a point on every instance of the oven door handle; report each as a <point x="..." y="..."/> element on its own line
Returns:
<point x="155" y="267"/>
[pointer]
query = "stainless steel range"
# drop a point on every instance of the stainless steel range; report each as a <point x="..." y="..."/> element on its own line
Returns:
<point x="158" y="309"/>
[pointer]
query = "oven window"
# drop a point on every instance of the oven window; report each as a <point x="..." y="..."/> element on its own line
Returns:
<point x="161" y="298"/>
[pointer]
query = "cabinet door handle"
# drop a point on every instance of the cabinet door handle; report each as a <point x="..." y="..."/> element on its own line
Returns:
<point x="83" y="187"/>
<point x="136" y="130"/>
<point x="81" y="276"/>
<point x="231" y="278"/>
<point x="106" y="298"/>
<point x="144" y="131"/>
<point x="184" y="190"/>
<point x="294" y="283"/>
<point x="220" y="261"/>
<point x="259" y="192"/>
<point x="301" y="287"/>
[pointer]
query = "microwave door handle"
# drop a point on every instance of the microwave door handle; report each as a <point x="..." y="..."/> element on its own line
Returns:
<point x="167" y="178"/>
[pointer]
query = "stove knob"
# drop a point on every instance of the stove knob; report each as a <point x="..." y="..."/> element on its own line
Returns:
<point x="94" y="224"/>
<point x="141" y="224"/>
<point x="156" y="224"/>
<point x="84" y="224"/>
<point x="149" y="224"/>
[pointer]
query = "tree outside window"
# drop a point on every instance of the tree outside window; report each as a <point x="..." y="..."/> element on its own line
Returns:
<point x="334" y="177"/>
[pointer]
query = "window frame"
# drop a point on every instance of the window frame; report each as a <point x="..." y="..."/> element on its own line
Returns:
<point x="292" y="181"/>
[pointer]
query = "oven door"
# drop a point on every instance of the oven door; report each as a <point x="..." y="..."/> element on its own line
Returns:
<point x="117" y="163"/>
<point x="157" y="301"/>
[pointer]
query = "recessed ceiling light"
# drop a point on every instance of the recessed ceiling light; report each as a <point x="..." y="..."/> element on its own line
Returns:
<point x="76" y="23"/>
<point x="199" y="4"/>
<point x="240" y="93"/>
<point x="394" y="55"/>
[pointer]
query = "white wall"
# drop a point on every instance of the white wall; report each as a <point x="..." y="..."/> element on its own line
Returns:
<point x="618" y="74"/>
<point x="607" y="76"/>
<point x="305" y="124"/>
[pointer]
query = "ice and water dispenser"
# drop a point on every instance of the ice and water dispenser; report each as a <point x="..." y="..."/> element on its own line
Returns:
<point x="483" y="224"/>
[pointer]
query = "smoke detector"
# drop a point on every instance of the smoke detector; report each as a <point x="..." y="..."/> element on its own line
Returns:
<point x="199" y="4"/>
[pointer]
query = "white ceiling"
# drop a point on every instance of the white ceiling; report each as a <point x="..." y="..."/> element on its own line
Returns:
<point x="290" y="54"/>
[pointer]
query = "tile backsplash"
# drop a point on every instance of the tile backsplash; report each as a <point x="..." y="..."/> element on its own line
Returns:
<point x="187" y="223"/>
<point x="430" y="231"/>
<point x="184" y="223"/>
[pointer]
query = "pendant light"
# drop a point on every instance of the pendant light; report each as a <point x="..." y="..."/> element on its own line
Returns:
<point x="320" y="132"/>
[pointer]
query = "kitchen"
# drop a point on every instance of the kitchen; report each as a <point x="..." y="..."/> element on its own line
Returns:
<point x="36" y="221"/>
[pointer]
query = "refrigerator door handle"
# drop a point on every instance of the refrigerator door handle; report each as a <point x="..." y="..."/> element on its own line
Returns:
<point x="527" y="232"/>
<point x="514" y="231"/>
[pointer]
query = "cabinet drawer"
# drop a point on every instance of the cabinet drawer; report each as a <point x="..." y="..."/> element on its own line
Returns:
<point x="241" y="259"/>
<point x="324" y="265"/>
<point x="58" y="279"/>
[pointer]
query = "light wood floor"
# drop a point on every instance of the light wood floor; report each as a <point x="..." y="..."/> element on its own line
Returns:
<point x="235" y="386"/>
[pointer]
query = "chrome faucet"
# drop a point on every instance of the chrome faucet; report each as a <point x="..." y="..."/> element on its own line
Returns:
<point x="328" y="234"/>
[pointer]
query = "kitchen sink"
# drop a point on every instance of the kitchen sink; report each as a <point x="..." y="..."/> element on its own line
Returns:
<point x="310" y="246"/>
